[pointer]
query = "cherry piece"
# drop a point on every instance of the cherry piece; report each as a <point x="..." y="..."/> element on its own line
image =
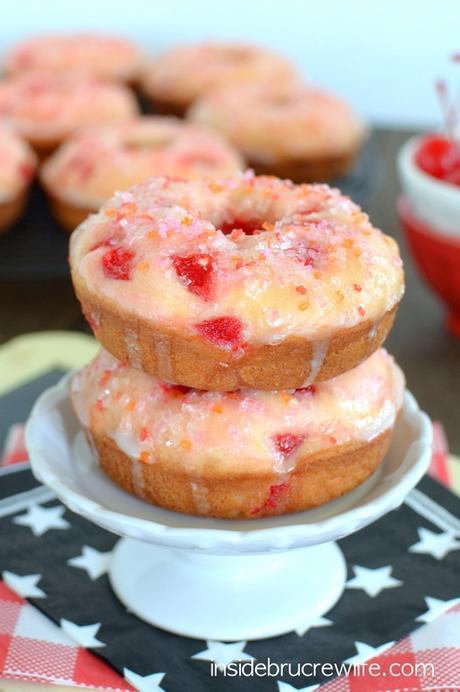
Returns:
<point x="117" y="264"/>
<point x="311" y="389"/>
<point x="439" y="157"/>
<point x="287" y="443"/>
<point x="274" y="493"/>
<point x="175" y="389"/>
<point x="248" y="226"/>
<point x="222" y="331"/>
<point x="195" y="273"/>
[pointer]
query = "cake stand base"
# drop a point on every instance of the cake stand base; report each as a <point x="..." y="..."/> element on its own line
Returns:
<point x="226" y="597"/>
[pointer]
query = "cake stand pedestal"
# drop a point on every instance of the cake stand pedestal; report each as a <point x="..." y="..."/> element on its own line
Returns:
<point x="215" y="578"/>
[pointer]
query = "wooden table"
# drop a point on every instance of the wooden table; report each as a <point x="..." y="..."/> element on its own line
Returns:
<point x="429" y="355"/>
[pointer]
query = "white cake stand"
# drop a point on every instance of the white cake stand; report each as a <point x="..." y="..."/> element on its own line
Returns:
<point x="215" y="578"/>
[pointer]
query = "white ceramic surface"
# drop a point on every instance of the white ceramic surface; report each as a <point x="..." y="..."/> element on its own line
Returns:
<point x="434" y="202"/>
<point x="220" y="579"/>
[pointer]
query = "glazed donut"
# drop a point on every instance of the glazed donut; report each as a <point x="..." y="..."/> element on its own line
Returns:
<point x="244" y="282"/>
<point x="45" y="109"/>
<point x="96" y="55"/>
<point x="176" y="78"/>
<point x="17" y="169"/>
<point x="243" y="454"/>
<point x="96" y="162"/>
<point x="292" y="131"/>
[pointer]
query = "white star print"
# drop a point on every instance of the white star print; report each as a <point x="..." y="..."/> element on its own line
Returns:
<point x="372" y="581"/>
<point x="41" y="519"/>
<point x="365" y="652"/>
<point x="84" y="635"/>
<point x="319" y="622"/>
<point x="286" y="687"/>
<point x="223" y="654"/>
<point x="146" y="683"/>
<point x="94" y="562"/>
<point x="435" y="544"/>
<point x="26" y="586"/>
<point x="436" y="607"/>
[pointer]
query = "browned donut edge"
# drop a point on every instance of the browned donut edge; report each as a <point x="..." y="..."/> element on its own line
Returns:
<point x="317" y="478"/>
<point x="188" y="359"/>
<point x="69" y="216"/>
<point x="308" y="170"/>
<point x="11" y="210"/>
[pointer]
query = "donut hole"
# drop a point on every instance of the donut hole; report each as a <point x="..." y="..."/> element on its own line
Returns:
<point x="248" y="226"/>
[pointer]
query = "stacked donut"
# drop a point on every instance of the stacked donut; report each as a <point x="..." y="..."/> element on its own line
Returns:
<point x="242" y="320"/>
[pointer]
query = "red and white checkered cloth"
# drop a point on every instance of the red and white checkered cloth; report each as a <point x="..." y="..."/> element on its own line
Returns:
<point x="35" y="649"/>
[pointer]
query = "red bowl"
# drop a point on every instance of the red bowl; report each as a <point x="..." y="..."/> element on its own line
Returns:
<point x="438" y="258"/>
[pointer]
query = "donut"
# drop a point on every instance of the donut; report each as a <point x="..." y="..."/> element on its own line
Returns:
<point x="89" y="167"/>
<point x="241" y="282"/>
<point x="45" y="109"/>
<point x="96" y="55"/>
<point x="175" y="79"/>
<point x="291" y="131"/>
<point x="243" y="454"/>
<point x="17" y="169"/>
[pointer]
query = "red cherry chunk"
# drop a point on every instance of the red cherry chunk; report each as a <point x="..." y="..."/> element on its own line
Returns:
<point x="311" y="389"/>
<point x="440" y="157"/>
<point x="117" y="264"/>
<point x="175" y="389"/>
<point x="248" y="226"/>
<point x="195" y="272"/>
<point x="222" y="331"/>
<point x="287" y="443"/>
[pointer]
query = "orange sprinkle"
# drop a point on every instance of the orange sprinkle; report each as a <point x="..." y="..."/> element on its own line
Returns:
<point x="217" y="408"/>
<point x="286" y="398"/>
<point x="333" y="440"/>
<point x="267" y="226"/>
<point x="142" y="266"/>
<point x="131" y="405"/>
<point x="186" y="444"/>
<point x="215" y="187"/>
<point x="357" y="252"/>
<point x="239" y="263"/>
<point x="104" y="378"/>
<point x="128" y="208"/>
<point x="261" y="257"/>
<point x="361" y="311"/>
<point x="317" y="275"/>
<point x="110" y="212"/>
<point x="348" y="242"/>
<point x="187" y="221"/>
<point x="301" y="289"/>
<point x="143" y="434"/>
<point x="304" y="306"/>
<point x="144" y="457"/>
<point x="236" y="234"/>
<point x="152" y="235"/>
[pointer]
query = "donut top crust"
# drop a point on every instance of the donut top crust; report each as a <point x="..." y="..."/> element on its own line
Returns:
<point x="313" y="265"/>
<point x="269" y="122"/>
<point x="94" y="163"/>
<point x="188" y="70"/>
<point x="17" y="164"/>
<point x="98" y="55"/>
<point x="246" y="430"/>
<point x="45" y="107"/>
